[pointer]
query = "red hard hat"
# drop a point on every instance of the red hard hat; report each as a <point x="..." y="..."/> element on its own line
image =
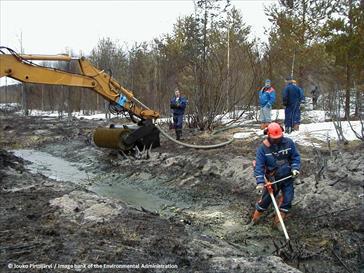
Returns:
<point x="275" y="130"/>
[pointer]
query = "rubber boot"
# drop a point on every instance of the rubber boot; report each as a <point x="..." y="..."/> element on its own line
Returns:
<point x="280" y="199"/>
<point x="264" y="125"/>
<point x="296" y="127"/>
<point x="256" y="216"/>
<point x="276" y="223"/>
<point x="178" y="134"/>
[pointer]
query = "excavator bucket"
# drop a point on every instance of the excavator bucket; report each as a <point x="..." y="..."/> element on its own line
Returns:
<point x="127" y="137"/>
<point x="111" y="138"/>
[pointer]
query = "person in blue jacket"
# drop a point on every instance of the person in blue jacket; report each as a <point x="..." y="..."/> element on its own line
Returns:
<point x="178" y="106"/>
<point x="292" y="98"/>
<point x="267" y="97"/>
<point x="276" y="158"/>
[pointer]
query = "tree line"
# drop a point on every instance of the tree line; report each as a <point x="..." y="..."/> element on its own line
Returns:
<point x="213" y="57"/>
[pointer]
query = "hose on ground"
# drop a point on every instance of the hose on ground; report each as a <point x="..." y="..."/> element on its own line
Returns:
<point x="226" y="128"/>
<point x="191" y="145"/>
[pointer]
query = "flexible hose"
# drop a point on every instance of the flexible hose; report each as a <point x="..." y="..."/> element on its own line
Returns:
<point x="226" y="128"/>
<point x="191" y="145"/>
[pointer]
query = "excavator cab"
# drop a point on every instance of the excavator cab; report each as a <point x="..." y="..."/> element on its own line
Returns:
<point x="143" y="134"/>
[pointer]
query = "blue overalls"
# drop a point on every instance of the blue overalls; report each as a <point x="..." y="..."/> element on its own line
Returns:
<point x="292" y="97"/>
<point x="276" y="162"/>
<point x="178" y="106"/>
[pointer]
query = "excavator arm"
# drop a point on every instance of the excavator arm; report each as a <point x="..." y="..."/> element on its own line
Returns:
<point x="20" y="67"/>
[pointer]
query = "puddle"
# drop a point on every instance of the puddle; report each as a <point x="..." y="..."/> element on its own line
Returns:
<point x="53" y="167"/>
<point x="131" y="195"/>
<point x="61" y="170"/>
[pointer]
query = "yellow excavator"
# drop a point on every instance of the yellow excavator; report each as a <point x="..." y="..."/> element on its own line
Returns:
<point x="143" y="134"/>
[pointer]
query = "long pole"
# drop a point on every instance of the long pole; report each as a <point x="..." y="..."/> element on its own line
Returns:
<point x="278" y="214"/>
<point x="269" y="188"/>
<point x="280" y="180"/>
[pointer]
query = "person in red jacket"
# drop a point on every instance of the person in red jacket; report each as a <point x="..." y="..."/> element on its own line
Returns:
<point x="267" y="97"/>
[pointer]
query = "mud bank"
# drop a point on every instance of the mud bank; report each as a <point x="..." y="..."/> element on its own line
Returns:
<point x="47" y="222"/>
<point x="196" y="216"/>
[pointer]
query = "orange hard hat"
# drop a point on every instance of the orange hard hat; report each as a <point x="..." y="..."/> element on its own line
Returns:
<point x="275" y="130"/>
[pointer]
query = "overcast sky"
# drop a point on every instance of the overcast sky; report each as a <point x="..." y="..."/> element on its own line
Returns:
<point x="49" y="27"/>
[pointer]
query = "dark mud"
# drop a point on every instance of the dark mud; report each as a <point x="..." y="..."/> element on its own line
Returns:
<point x="197" y="218"/>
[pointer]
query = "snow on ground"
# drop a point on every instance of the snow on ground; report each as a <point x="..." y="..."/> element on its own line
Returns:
<point x="315" y="130"/>
<point x="54" y="114"/>
<point x="79" y="115"/>
<point x="325" y="132"/>
<point x="314" y="116"/>
<point x="313" y="134"/>
<point x="277" y="114"/>
<point x="306" y="116"/>
<point x="11" y="106"/>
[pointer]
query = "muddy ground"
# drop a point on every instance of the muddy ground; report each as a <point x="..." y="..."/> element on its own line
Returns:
<point x="180" y="210"/>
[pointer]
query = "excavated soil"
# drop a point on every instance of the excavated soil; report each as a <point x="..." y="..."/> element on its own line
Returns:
<point x="67" y="205"/>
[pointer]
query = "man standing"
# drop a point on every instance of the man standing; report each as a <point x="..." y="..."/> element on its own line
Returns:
<point x="276" y="158"/>
<point x="292" y="99"/>
<point x="267" y="97"/>
<point x="315" y="94"/>
<point x="178" y="105"/>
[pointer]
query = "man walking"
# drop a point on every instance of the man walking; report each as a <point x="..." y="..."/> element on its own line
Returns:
<point x="267" y="97"/>
<point x="292" y="98"/>
<point x="276" y="158"/>
<point x="178" y="105"/>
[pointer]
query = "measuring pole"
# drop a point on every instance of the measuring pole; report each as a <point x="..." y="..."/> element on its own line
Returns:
<point x="268" y="185"/>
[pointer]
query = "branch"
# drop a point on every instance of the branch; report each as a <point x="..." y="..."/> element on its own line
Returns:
<point x="341" y="261"/>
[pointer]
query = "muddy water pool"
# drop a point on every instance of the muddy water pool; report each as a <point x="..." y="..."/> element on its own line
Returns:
<point x="103" y="184"/>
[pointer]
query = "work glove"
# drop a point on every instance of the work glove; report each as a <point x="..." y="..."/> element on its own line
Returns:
<point x="295" y="173"/>
<point x="259" y="188"/>
<point x="173" y="106"/>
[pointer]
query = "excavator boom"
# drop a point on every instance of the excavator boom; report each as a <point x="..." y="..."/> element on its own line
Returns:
<point x="20" y="67"/>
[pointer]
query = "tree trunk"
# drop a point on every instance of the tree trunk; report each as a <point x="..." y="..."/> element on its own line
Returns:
<point x="24" y="101"/>
<point x="6" y="90"/>
<point x="348" y="64"/>
<point x="69" y="106"/>
<point x="42" y="106"/>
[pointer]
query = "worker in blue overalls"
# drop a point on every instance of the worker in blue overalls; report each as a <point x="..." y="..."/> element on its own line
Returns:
<point x="276" y="158"/>
<point x="178" y="106"/>
<point x="292" y="98"/>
